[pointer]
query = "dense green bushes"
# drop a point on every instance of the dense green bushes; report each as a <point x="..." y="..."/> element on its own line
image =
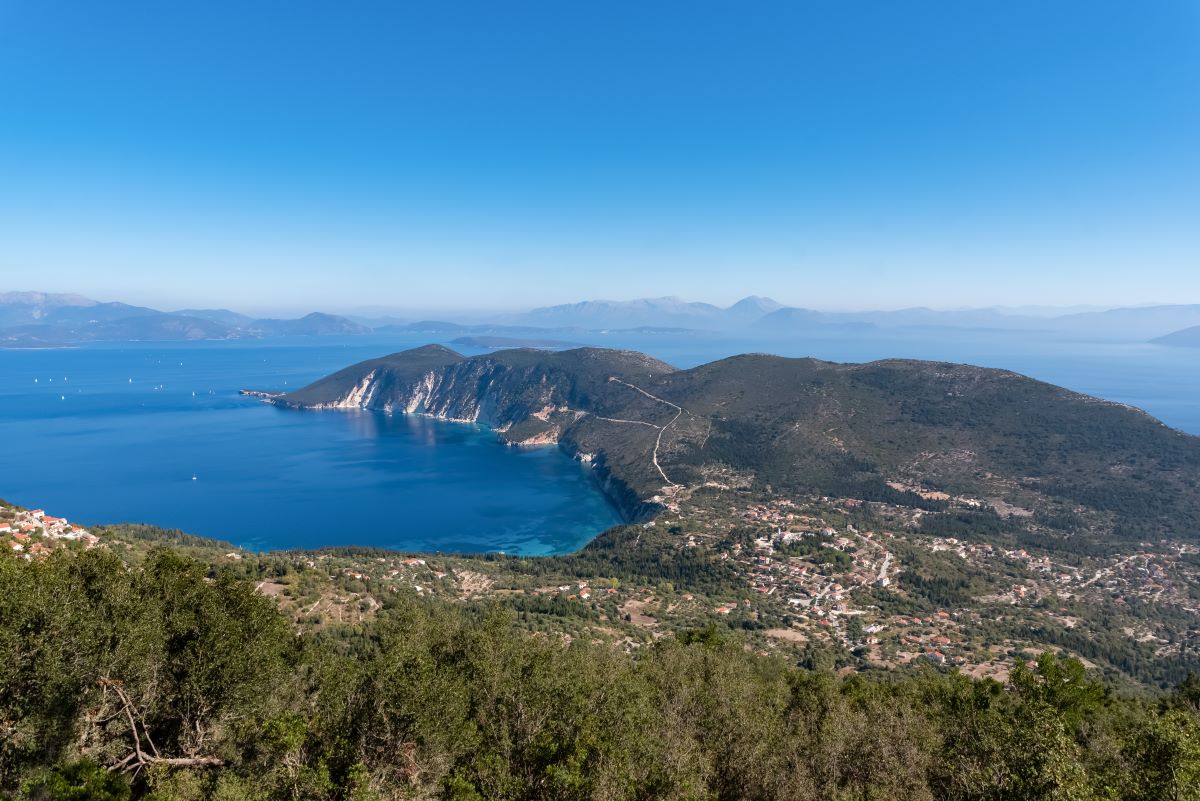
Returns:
<point x="189" y="685"/>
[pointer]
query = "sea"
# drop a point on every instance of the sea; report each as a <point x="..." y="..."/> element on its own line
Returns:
<point x="157" y="433"/>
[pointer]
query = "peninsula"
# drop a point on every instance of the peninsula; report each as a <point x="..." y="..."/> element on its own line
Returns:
<point x="889" y="431"/>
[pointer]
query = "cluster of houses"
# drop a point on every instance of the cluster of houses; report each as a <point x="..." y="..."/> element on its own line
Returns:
<point x="820" y="595"/>
<point x="32" y="532"/>
<point x="802" y="581"/>
<point x="1149" y="575"/>
<point x="776" y="512"/>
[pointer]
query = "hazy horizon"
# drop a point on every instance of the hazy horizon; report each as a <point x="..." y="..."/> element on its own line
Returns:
<point x="254" y="307"/>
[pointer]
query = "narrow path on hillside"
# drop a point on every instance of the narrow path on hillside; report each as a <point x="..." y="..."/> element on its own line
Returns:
<point x="661" y="430"/>
<point x="883" y="568"/>
<point x="631" y="422"/>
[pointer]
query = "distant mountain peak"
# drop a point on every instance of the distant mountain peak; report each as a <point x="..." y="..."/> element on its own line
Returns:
<point x="752" y="307"/>
<point x="313" y="323"/>
<point x="760" y="302"/>
<point x="431" y="350"/>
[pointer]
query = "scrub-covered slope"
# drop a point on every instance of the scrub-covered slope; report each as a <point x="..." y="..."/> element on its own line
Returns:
<point x="802" y="425"/>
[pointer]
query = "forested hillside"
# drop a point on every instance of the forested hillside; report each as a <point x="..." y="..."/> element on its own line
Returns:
<point x="169" y="678"/>
<point x="806" y="426"/>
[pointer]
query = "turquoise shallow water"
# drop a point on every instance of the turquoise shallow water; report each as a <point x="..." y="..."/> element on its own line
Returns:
<point x="111" y="433"/>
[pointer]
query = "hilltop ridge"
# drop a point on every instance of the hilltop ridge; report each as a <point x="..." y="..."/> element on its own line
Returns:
<point x="781" y="424"/>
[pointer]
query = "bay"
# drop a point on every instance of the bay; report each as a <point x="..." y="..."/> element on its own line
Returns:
<point x="106" y="434"/>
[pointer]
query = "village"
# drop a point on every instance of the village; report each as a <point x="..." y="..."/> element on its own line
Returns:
<point x="32" y="532"/>
<point x="816" y="573"/>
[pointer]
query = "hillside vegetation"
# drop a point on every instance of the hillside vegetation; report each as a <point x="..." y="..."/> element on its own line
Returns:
<point x="803" y="425"/>
<point x="172" y="679"/>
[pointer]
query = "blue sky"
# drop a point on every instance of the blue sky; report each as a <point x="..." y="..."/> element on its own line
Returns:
<point x="298" y="155"/>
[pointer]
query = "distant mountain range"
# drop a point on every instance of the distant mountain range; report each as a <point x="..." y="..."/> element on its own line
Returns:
<point x="32" y="319"/>
<point x="765" y="316"/>
<point x="36" y="319"/>
<point x="656" y="312"/>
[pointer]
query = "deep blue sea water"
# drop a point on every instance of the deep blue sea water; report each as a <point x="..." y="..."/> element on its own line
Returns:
<point x="112" y="433"/>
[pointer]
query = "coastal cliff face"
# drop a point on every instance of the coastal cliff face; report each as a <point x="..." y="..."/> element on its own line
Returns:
<point x="872" y="431"/>
<point x="529" y="398"/>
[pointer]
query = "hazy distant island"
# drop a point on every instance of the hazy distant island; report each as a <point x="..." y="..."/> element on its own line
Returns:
<point x="1186" y="338"/>
<point x="35" y="319"/>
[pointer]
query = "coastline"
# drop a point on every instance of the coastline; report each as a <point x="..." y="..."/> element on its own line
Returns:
<point x="629" y="506"/>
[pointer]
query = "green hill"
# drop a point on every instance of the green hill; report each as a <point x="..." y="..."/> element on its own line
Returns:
<point x="989" y="438"/>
